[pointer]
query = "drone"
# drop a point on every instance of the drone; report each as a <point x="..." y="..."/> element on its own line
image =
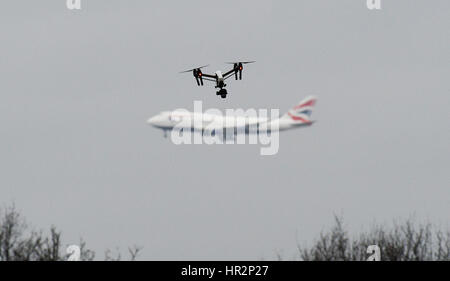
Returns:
<point x="218" y="77"/>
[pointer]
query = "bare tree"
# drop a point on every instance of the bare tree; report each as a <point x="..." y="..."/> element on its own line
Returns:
<point x="405" y="241"/>
<point x="20" y="243"/>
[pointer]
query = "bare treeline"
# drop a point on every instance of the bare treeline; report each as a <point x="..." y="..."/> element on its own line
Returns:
<point x="404" y="241"/>
<point x="18" y="242"/>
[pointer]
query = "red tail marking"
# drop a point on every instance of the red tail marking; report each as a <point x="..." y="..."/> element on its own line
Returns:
<point x="309" y="103"/>
<point x="297" y="118"/>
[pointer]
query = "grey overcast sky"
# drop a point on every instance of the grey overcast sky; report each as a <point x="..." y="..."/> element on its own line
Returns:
<point x="76" y="89"/>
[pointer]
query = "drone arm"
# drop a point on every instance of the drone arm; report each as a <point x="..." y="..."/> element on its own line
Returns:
<point x="229" y="73"/>
<point x="200" y="76"/>
<point x="208" y="79"/>
<point x="232" y="72"/>
<point x="208" y="76"/>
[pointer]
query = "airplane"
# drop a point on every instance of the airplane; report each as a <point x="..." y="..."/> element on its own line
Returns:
<point x="298" y="116"/>
<point x="218" y="77"/>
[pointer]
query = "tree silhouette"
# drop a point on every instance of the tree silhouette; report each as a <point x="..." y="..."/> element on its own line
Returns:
<point x="20" y="243"/>
<point x="405" y="241"/>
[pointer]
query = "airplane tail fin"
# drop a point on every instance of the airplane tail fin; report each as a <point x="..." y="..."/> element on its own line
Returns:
<point x="301" y="113"/>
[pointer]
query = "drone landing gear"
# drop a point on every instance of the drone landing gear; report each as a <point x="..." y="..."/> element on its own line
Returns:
<point x="222" y="93"/>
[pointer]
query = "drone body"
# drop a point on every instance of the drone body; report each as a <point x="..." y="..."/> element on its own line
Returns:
<point x="218" y="77"/>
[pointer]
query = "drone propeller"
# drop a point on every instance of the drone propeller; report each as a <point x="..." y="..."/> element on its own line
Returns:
<point x="243" y="62"/>
<point x="197" y="74"/>
<point x="238" y="67"/>
<point x="192" y="69"/>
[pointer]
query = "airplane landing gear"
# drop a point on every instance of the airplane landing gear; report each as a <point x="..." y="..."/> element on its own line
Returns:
<point x="222" y="93"/>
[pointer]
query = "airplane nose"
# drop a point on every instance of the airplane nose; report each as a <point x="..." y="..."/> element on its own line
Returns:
<point x="153" y="120"/>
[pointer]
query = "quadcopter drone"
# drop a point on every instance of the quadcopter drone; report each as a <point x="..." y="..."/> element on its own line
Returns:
<point x="218" y="77"/>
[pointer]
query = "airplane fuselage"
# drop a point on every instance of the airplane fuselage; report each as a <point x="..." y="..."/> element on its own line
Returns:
<point x="239" y="121"/>
<point x="168" y="120"/>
